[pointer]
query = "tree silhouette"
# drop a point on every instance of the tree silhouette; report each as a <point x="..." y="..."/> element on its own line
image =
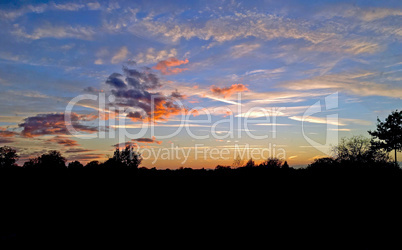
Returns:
<point x="388" y="135"/>
<point x="323" y="163"/>
<point x="238" y="162"/>
<point x="125" y="158"/>
<point x="285" y="165"/>
<point x="250" y="164"/>
<point x="75" y="165"/>
<point x="92" y="165"/>
<point x="272" y="162"/>
<point x="359" y="149"/>
<point x="31" y="163"/>
<point x="8" y="157"/>
<point x="50" y="160"/>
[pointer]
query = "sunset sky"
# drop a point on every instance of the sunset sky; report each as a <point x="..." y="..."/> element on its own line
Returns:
<point x="196" y="58"/>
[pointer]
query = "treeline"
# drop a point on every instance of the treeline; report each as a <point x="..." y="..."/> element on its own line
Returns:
<point x="352" y="154"/>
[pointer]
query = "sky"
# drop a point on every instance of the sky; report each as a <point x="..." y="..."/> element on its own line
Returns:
<point x="196" y="83"/>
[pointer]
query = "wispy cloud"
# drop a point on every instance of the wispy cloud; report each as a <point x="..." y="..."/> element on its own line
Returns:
<point x="243" y="49"/>
<point x="62" y="140"/>
<point x="120" y="56"/>
<point x="348" y="83"/>
<point x="312" y="119"/>
<point x="153" y="56"/>
<point x="51" y="31"/>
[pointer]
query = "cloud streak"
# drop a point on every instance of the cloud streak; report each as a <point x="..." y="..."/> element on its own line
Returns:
<point x="347" y="83"/>
<point x="147" y="140"/>
<point x="64" y="141"/>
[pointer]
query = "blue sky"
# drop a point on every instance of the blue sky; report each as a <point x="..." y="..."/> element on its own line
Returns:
<point x="277" y="55"/>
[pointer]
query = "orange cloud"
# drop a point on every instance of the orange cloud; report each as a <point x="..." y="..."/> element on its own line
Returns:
<point x="165" y="108"/>
<point x="64" y="141"/>
<point x="167" y="66"/>
<point x="6" y="133"/>
<point x="6" y="136"/>
<point x="228" y="91"/>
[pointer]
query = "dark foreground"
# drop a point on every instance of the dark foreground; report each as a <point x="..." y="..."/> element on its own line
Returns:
<point x="70" y="204"/>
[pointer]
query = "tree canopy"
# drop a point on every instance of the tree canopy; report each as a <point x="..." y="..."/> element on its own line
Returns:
<point x="388" y="135"/>
<point x="8" y="157"/>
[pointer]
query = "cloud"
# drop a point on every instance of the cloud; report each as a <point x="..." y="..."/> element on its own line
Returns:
<point x="40" y="8"/>
<point x="137" y="90"/>
<point x="54" y="124"/>
<point x="98" y="61"/>
<point x="7" y="133"/>
<point x="78" y="150"/>
<point x="167" y="66"/>
<point x="243" y="49"/>
<point x="135" y="116"/>
<point x="84" y="158"/>
<point x="228" y="91"/>
<point x="126" y="144"/>
<point x="7" y="136"/>
<point x="153" y="56"/>
<point x="378" y="13"/>
<point x="265" y="71"/>
<point x="348" y="83"/>
<point x="93" y="6"/>
<point x="50" y="31"/>
<point x="92" y="90"/>
<point x="332" y="36"/>
<point x="64" y="141"/>
<point x="349" y="46"/>
<point x="6" y="140"/>
<point x="312" y="119"/>
<point x="147" y="140"/>
<point x="68" y="6"/>
<point x="339" y="122"/>
<point x="13" y="14"/>
<point x="228" y="28"/>
<point x="120" y="56"/>
<point x="364" y="14"/>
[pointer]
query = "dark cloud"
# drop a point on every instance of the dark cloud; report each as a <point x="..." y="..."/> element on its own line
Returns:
<point x="144" y="80"/>
<point x="125" y="144"/>
<point x="176" y="94"/>
<point x="147" y="140"/>
<point x="54" y="124"/>
<point x="115" y="80"/>
<point x="135" y="116"/>
<point x="133" y="89"/>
